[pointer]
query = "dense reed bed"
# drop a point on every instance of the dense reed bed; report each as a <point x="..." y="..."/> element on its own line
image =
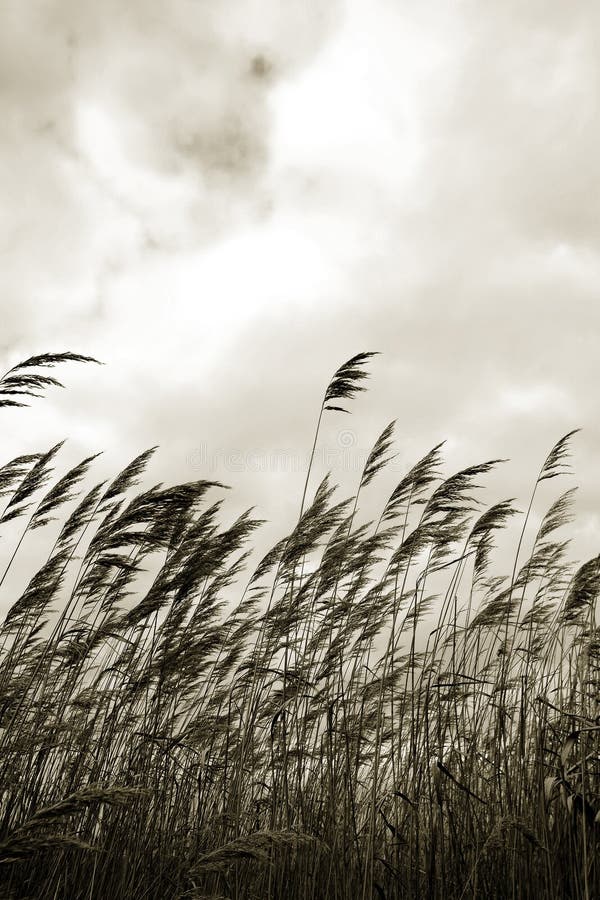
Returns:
<point x="374" y="711"/>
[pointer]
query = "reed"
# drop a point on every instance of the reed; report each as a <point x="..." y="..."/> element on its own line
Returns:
<point x="379" y="709"/>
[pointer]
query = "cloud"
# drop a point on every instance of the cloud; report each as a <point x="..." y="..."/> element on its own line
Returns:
<point x="225" y="201"/>
<point x="132" y="128"/>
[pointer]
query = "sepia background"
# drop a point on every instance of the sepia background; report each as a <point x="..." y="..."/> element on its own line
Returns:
<point x="224" y="201"/>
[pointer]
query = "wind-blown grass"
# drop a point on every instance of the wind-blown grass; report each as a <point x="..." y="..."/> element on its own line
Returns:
<point x="374" y="711"/>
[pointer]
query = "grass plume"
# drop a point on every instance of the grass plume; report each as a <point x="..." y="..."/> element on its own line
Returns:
<point x="378" y="709"/>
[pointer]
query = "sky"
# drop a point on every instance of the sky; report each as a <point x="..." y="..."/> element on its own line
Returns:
<point x="224" y="201"/>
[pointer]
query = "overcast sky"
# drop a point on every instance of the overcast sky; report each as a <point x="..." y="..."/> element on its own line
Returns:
<point x="225" y="200"/>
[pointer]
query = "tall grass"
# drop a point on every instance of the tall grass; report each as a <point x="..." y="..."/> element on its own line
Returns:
<point x="373" y="711"/>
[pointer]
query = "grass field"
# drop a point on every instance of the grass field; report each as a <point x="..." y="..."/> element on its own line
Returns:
<point x="374" y="711"/>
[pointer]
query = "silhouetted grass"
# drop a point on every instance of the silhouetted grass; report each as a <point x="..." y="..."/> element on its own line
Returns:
<point x="373" y="712"/>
